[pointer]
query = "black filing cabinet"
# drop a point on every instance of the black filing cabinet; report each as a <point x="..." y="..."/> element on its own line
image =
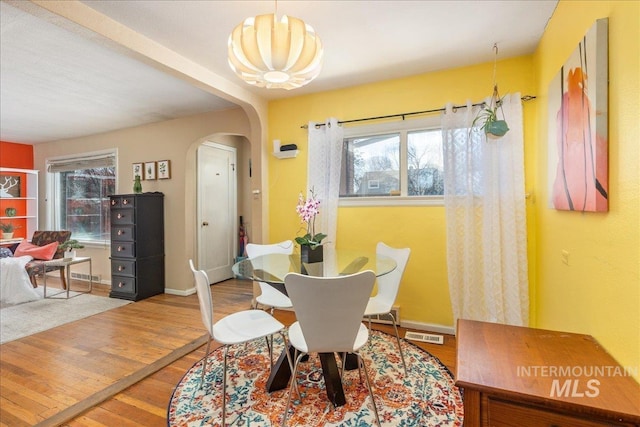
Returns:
<point x="137" y="245"/>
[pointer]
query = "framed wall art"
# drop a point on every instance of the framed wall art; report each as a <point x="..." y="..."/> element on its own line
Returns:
<point x="578" y="134"/>
<point x="9" y="186"/>
<point x="150" y="170"/>
<point x="137" y="171"/>
<point x="164" y="169"/>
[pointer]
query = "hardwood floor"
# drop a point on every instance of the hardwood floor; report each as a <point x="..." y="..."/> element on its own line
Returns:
<point x="119" y="368"/>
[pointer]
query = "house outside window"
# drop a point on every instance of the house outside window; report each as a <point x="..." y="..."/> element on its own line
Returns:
<point x="79" y="190"/>
<point x="393" y="163"/>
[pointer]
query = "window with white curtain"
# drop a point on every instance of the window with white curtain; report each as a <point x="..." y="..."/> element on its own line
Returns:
<point x="392" y="163"/>
<point x="78" y="189"/>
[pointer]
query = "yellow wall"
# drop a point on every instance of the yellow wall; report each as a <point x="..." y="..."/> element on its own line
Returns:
<point x="598" y="293"/>
<point x="424" y="296"/>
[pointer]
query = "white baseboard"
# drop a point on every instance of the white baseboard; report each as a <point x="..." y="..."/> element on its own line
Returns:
<point x="180" y="292"/>
<point x="429" y="327"/>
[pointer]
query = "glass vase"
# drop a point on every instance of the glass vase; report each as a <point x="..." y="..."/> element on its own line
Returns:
<point x="137" y="185"/>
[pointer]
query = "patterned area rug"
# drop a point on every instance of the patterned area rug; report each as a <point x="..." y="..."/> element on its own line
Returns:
<point x="426" y="397"/>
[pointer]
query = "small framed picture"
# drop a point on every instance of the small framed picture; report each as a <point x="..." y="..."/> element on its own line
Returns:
<point x="137" y="170"/>
<point x="150" y="170"/>
<point x="164" y="169"/>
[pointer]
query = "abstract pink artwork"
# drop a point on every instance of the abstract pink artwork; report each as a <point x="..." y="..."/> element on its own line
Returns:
<point x="578" y="137"/>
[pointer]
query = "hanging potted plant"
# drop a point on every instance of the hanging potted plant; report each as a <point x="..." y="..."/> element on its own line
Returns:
<point x="487" y="117"/>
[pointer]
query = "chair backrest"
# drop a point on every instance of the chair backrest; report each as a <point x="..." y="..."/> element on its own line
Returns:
<point x="330" y="309"/>
<point x="203" y="290"/>
<point x="255" y="249"/>
<point x="285" y="247"/>
<point x="44" y="237"/>
<point x="388" y="284"/>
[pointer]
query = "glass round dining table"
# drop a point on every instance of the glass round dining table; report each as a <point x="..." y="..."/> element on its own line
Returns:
<point x="272" y="268"/>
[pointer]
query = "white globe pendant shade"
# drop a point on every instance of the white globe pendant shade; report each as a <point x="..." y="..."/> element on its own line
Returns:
<point x="268" y="53"/>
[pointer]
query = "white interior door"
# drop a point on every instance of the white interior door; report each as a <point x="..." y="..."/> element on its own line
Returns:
<point x="217" y="210"/>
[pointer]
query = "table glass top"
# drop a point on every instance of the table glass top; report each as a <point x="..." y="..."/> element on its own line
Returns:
<point x="272" y="268"/>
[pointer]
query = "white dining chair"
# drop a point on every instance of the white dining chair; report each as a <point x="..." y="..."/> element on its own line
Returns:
<point x="235" y="328"/>
<point x="329" y="312"/>
<point x="270" y="297"/>
<point x="388" y="285"/>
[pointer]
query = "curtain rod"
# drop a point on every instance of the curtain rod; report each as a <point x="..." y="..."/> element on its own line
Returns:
<point x="403" y="115"/>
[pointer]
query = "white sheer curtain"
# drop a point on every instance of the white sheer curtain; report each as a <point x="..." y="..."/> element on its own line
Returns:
<point x="323" y="174"/>
<point x="485" y="214"/>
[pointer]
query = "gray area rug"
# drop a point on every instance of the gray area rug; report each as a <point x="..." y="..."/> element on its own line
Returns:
<point x="22" y="320"/>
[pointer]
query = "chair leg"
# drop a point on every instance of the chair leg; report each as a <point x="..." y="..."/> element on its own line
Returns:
<point x="366" y="375"/>
<point x="269" y="341"/>
<point x="224" y="388"/>
<point x="33" y="281"/>
<point x="286" y="349"/>
<point x="393" y="320"/>
<point x="293" y="380"/>
<point x="206" y="358"/>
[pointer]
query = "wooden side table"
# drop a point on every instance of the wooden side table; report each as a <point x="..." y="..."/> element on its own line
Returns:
<point x="515" y="376"/>
<point x="67" y="263"/>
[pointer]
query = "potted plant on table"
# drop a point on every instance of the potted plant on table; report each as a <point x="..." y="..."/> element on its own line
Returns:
<point x="70" y="247"/>
<point x="311" y="242"/>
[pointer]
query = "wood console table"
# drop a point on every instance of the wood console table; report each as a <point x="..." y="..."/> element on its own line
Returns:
<point x="515" y="376"/>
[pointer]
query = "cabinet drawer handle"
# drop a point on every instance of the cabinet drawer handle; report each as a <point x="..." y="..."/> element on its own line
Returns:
<point x="120" y="216"/>
<point x="125" y="202"/>
<point x="120" y="232"/>
<point x="120" y="284"/>
<point x="121" y="268"/>
<point x="113" y="203"/>
<point x="121" y="248"/>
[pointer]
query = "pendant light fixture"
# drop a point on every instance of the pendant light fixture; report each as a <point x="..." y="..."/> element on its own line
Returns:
<point x="267" y="52"/>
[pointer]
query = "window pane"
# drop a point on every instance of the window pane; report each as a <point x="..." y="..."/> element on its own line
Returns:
<point x="82" y="202"/>
<point x="370" y="166"/>
<point x="424" y="162"/>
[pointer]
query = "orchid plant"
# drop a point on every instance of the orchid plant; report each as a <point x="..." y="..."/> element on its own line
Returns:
<point x="307" y="211"/>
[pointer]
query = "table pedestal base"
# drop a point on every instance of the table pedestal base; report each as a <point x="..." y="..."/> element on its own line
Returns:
<point x="281" y="373"/>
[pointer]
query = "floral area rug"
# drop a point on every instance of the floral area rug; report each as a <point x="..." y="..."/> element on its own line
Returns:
<point x="425" y="397"/>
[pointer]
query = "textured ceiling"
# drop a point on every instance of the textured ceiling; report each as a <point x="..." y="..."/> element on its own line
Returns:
<point x="56" y="83"/>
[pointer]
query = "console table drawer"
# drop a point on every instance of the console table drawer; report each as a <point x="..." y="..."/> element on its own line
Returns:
<point x="123" y="284"/>
<point x="505" y="414"/>
<point x="123" y="249"/>
<point x="123" y="267"/>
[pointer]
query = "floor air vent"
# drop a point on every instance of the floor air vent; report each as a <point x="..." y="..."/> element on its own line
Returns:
<point x="85" y="277"/>
<point x="420" y="336"/>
